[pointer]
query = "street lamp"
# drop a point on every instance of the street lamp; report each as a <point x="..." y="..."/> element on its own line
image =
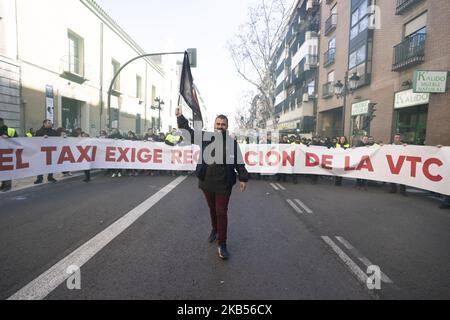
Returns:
<point x="342" y="90"/>
<point x="192" y="52"/>
<point x="159" y="108"/>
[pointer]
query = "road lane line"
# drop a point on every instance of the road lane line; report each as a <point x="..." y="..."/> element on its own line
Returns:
<point x="280" y="186"/>
<point x="303" y="206"/>
<point x="347" y="260"/>
<point x="274" y="186"/>
<point x="361" y="258"/>
<point x="294" y="206"/>
<point x="48" y="281"/>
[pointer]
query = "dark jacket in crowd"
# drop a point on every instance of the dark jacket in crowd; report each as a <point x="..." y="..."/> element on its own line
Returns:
<point x="4" y="131"/>
<point x="361" y="144"/>
<point x="218" y="178"/>
<point x="43" y="131"/>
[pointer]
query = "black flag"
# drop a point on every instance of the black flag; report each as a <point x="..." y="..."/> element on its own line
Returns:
<point x="187" y="89"/>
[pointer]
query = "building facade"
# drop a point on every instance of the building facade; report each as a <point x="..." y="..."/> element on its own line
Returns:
<point x="383" y="43"/>
<point x="294" y="66"/>
<point x="58" y="64"/>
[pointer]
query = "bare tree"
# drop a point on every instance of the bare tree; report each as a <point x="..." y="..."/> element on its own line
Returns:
<point x="246" y="112"/>
<point x="253" y="47"/>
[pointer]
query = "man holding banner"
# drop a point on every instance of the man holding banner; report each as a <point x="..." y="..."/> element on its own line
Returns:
<point x="218" y="174"/>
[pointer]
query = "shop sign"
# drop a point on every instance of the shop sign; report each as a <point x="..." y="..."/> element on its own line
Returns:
<point x="360" y="108"/>
<point x="408" y="98"/>
<point x="430" y="81"/>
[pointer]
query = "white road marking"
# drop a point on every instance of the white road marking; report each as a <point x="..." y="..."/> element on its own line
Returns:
<point x="40" y="287"/>
<point x="303" y="206"/>
<point x="280" y="186"/>
<point x="294" y="206"/>
<point x="347" y="260"/>
<point x="274" y="186"/>
<point x="361" y="258"/>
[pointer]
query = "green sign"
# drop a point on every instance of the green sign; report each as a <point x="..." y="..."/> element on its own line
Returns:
<point x="430" y="81"/>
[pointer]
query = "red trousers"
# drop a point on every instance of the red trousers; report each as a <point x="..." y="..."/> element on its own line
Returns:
<point x="218" y="208"/>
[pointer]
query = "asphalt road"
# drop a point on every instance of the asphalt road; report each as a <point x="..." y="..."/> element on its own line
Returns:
<point x="147" y="239"/>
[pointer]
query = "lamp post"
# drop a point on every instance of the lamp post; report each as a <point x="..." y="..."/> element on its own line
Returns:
<point x="342" y="90"/>
<point x="192" y="58"/>
<point x="159" y="108"/>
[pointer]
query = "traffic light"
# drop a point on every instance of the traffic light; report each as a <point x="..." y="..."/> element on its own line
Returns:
<point x="369" y="116"/>
<point x="371" y="111"/>
<point x="192" y="52"/>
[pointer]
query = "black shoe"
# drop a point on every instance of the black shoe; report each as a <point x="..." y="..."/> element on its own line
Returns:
<point x="212" y="237"/>
<point x="51" y="180"/>
<point x="86" y="180"/>
<point x="38" y="181"/>
<point x="223" y="252"/>
<point x="444" y="206"/>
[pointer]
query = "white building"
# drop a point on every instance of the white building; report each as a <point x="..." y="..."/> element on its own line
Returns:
<point x="57" y="59"/>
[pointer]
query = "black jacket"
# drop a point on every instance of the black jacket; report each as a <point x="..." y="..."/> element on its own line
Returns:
<point x="43" y="131"/>
<point x="4" y="131"/>
<point x="231" y="166"/>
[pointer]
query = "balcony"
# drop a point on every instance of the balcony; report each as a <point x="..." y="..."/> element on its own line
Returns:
<point x="330" y="24"/>
<point x="409" y="53"/>
<point x="405" y="5"/>
<point x="311" y="4"/>
<point x="327" y="90"/>
<point x="72" y="69"/>
<point x="329" y="57"/>
<point x="311" y="61"/>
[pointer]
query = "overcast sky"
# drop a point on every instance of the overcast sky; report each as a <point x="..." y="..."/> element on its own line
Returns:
<point x="203" y="24"/>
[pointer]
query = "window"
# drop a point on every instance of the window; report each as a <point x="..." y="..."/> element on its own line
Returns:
<point x="75" y="59"/>
<point x="334" y="9"/>
<point x="360" y="20"/>
<point x="138" y="87"/>
<point x="311" y="88"/>
<point x="115" y="69"/>
<point x="416" y="26"/>
<point x="330" y="76"/>
<point x="332" y="43"/>
<point x="357" y="57"/>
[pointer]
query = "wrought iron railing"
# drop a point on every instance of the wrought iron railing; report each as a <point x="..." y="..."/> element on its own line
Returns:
<point x="409" y="52"/>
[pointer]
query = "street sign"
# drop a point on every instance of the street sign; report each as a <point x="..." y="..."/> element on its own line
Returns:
<point x="430" y="81"/>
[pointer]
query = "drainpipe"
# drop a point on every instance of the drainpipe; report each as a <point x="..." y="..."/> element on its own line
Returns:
<point x="101" y="75"/>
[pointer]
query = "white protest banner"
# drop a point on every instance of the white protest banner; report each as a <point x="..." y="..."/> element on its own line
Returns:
<point x="418" y="166"/>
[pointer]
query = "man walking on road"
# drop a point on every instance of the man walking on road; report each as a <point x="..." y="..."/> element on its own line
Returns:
<point x="217" y="177"/>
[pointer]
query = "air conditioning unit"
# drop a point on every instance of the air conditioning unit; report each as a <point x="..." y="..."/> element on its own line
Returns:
<point x="309" y="4"/>
<point x="305" y="97"/>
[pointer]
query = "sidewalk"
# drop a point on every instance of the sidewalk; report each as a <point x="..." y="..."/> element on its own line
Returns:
<point x="29" y="182"/>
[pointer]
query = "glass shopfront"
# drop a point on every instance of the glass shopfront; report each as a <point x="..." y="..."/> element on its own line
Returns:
<point x="411" y="123"/>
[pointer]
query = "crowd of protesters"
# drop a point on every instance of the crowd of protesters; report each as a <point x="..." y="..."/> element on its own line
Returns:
<point x="170" y="138"/>
<point x="174" y="137"/>
<point x="337" y="143"/>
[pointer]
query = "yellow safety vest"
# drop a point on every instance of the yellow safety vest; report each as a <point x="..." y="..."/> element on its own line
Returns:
<point x="346" y="146"/>
<point x="29" y="135"/>
<point x="11" y="132"/>
<point x="172" y="139"/>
